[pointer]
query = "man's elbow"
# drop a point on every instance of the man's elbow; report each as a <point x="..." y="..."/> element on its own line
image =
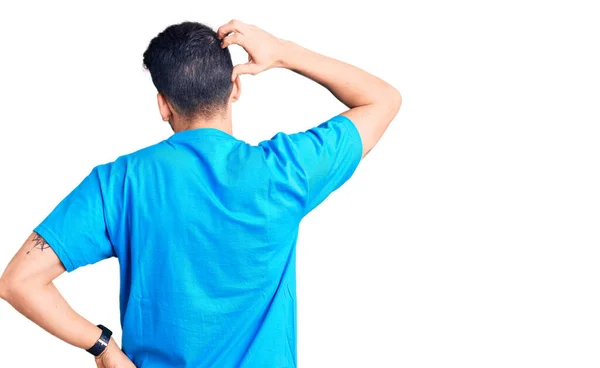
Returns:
<point x="395" y="99"/>
<point x="10" y="287"/>
<point x="392" y="100"/>
<point x="4" y="288"/>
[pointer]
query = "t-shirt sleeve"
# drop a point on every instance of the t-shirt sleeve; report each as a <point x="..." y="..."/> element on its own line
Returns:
<point x="316" y="162"/>
<point x="76" y="229"/>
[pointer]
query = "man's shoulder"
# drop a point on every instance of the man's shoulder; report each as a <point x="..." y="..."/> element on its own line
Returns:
<point x="125" y="162"/>
<point x="159" y="148"/>
<point x="143" y="154"/>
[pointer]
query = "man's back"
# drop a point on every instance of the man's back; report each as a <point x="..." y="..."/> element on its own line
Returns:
<point x="213" y="253"/>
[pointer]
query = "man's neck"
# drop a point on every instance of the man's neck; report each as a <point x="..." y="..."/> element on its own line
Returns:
<point x="220" y="123"/>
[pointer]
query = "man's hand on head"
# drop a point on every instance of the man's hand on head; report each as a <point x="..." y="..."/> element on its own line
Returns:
<point x="265" y="51"/>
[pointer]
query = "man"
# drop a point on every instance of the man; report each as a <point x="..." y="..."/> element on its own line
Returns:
<point x="204" y="225"/>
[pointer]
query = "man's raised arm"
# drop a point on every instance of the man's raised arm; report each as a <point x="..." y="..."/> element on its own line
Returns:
<point x="372" y="102"/>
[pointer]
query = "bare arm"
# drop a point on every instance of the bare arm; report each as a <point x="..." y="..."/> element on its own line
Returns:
<point x="372" y="102"/>
<point x="27" y="285"/>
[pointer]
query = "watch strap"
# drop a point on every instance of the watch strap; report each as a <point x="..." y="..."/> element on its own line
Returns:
<point x="102" y="342"/>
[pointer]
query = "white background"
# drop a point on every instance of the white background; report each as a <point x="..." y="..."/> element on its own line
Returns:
<point x="469" y="237"/>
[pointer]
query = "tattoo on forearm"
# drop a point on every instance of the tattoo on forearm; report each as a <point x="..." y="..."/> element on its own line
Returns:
<point x="39" y="243"/>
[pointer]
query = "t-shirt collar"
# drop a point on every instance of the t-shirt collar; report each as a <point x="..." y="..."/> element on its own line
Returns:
<point x="198" y="132"/>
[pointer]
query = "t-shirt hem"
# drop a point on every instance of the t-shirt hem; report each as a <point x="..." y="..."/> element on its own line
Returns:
<point x="356" y="138"/>
<point x="56" y="245"/>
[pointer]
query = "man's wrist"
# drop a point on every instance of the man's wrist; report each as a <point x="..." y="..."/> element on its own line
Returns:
<point x="90" y="337"/>
<point x="286" y="58"/>
<point x="111" y="346"/>
<point x="102" y="341"/>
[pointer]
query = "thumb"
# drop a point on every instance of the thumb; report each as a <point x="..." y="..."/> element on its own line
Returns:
<point x="248" y="68"/>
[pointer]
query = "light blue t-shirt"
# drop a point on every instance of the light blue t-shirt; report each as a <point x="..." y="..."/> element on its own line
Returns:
<point x="204" y="227"/>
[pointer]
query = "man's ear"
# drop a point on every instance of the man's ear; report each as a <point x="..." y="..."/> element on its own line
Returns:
<point x="164" y="107"/>
<point x="236" y="91"/>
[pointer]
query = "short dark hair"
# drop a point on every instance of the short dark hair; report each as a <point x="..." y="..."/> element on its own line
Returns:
<point x="189" y="67"/>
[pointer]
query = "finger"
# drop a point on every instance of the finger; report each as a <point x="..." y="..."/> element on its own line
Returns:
<point x="231" y="26"/>
<point x="249" y="68"/>
<point x="234" y="38"/>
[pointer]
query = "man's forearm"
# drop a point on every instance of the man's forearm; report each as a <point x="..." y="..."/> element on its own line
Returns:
<point x="46" y="307"/>
<point x="351" y="85"/>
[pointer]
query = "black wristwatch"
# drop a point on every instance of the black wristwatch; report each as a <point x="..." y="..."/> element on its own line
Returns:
<point x="102" y="342"/>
